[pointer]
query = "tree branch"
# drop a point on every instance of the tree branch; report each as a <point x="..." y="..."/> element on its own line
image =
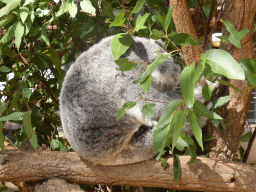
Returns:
<point x="204" y="175"/>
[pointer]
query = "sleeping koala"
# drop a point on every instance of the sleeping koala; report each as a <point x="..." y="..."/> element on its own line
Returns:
<point x="93" y="91"/>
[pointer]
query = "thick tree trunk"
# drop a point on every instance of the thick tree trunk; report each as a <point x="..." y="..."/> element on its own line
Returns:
<point x="184" y="24"/>
<point x="204" y="175"/>
<point x="241" y="14"/>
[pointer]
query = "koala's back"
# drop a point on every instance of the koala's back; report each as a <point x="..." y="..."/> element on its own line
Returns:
<point x="92" y="93"/>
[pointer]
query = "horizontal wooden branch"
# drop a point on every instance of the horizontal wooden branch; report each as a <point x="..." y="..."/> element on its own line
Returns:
<point x="204" y="175"/>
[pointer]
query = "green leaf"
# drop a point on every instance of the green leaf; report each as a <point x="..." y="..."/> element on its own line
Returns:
<point x="19" y="31"/>
<point x="180" y="120"/>
<point x="162" y="138"/>
<point x="228" y="84"/>
<point x="249" y="74"/>
<point x="3" y="107"/>
<point x="33" y="140"/>
<point x="168" y="19"/>
<point x="150" y="68"/>
<point x="28" y="1"/>
<point x="243" y="33"/>
<point x="138" y="6"/>
<point x="26" y="92"/>
<point x="155" y="34"/>
<point x="223" y="63"/>
<point x="246" y="137"/>
<point x="167" y="113"/>
<point x="221" y="101"/>
<point x="5" y="69"/>
<point x="107" y="9"/>
<point x="27" y="124"/>
<point x="164" y="163"/>
<point x="176" y="168"/>
<point x="44" y="34"/>
<point x="10" y="33"/>
<point x="87" y="6"/>
<point x="9" y="7"/>
<point x="208" y="138"/>
<point x="187" y="84"/>
<point x="249" y="63"/>
<point x="185" y="39"/>
<point x="140" y="21"/>
<point x="148" y="110"/>
<point x="119" y="20"/>
<point x="7" y="20"/>
<point x="207" y="9"/>
<point x="15" y="116"/>
<point x="146" y="84"/>
<point x="233" y="38"/>
<point x="120" y="44"/>
<point x="23" y="13"/>
<point x="57" y="145"/>
<point x="54" y="57"/>
<point x="191" y="146"/>
<point x="200" y="109"/>
<point x="121" y="111"/>
<point x="43" y="12"/>
<point x="63" y="8"/>
<point x="2" y="137"/>
<point x="125" y="64"/>
<point x="73" y="9"/>
<point x="199" y="72"/>
<point x="196" y="127"/>
<point x="207" y="92"/>
<point x="28" y="24"/>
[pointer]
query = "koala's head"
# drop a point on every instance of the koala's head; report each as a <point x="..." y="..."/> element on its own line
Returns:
<point x="165" y="77"/>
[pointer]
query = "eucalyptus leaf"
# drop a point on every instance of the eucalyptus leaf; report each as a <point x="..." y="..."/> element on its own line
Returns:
<point x="199" y="72"/>
<point x="207" y="92"/>
<point x="185" y="39"/>
<point x="233" y="38"/>
<point x="24" y="11"/>
<point x="146" y="84"/>
<point x="176" y="168"/>
<point x="150" y="68"/>
<point x="221" y="101"/>
<point x="121" y="111"/>
<point x="196" y="127"/>
<point x="168" y="19"/>
<point x="167" y="113"/>
<point x="138" y="6"/>
<point x="180" y="120"/>
<point x="148" y="110"/>
<point x="15" y="116"/>
<point x="162" y="138"/>
<point x="119" y="20"/>
<point x="140" y="21"/>
<point x="223" y="63"/>
<point x="156" y="34"/>
<point x="200" y="109"/>
<point x="120" y="44"/>
<point x="87" y="6"/>
<point x="125" y="64"/>
<point x="187" y="84"/>
<point x="191" y="147"/>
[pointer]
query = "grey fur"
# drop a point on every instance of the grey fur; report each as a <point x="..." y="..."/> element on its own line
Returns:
<point x="92" y="93"/>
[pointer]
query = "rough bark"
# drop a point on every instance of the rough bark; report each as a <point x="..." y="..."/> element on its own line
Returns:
<point x="183" y="23"/>
<point x="235" y="113"/>
<point x="204" y="175"/>
<point x="53" y="185"/>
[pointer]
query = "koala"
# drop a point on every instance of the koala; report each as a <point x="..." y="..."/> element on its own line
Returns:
<point x="94" y="90"/>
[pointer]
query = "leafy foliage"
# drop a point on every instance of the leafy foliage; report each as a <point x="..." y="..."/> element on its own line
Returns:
<point x="39" y="38"/>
